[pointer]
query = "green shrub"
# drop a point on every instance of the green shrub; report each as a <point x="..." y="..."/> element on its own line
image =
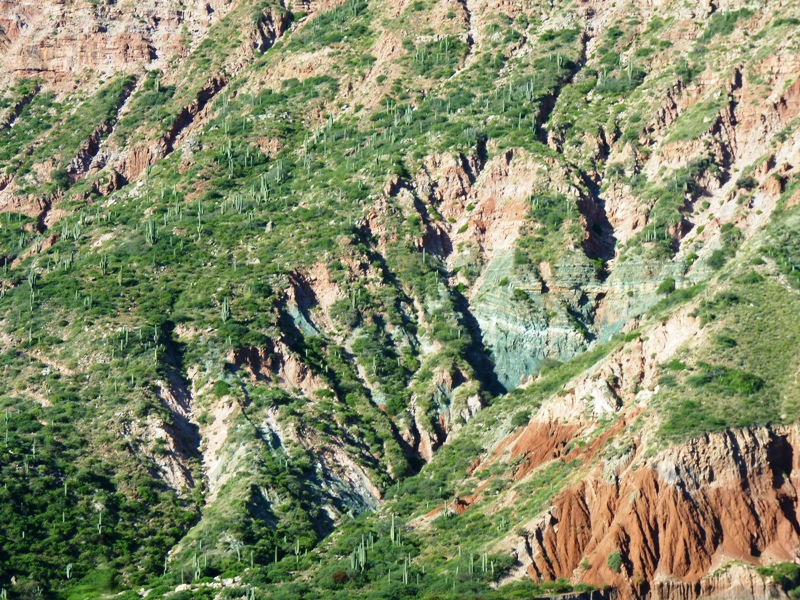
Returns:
<point x="676" y="365"/>
<point x="786" y="575"/>
<point x="747" y="182"/>
<point x="678" y="296"/>
<point x="666" y="287"/>
<point x="685" y="71"/>
<point x="520" y="295"/>
<point x="221" y="388"/>
<point x="614" y="562"/>
<point x="726" y="380"/>
<point x="749" y="278"/>
<point x="726" y="341"/>
<point x="521" y="257"/>
<point x="552" y="210"/>
<point x="563" y="35"/>
<point x="722" y="23"/>
<point x="716" y="260"/>
<point x="60" y="178"/>
<point x="668" y="381"/>
<point x="521" y="419"/>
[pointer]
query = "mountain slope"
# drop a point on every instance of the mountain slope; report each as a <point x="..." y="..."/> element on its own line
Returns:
<point x="481" y="298"/>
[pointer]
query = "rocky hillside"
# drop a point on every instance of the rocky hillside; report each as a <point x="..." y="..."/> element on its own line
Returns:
<point x="399" y="299"/>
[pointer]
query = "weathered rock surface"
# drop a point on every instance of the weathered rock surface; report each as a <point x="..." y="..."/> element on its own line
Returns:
<point x="677" y="517"/>
<point x="59" y="40"/>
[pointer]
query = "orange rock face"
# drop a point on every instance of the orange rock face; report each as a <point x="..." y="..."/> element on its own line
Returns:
<point x="59" y="41"/>
<point x="676" y="518"/>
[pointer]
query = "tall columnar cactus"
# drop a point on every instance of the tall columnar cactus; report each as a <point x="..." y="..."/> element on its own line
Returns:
<point x="225" y="310"/>
<point x="150" y="232"/>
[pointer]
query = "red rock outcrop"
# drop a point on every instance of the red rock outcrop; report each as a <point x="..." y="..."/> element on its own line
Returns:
<point x="55" y="41"/>
<point x="279" y="362"/>
<point x="674" y="518"/>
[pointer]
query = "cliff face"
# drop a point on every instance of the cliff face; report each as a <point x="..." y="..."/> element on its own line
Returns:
<point x="689" y="521"/>
<point x="688" y="512"/>
<point x="69" y="44"/>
